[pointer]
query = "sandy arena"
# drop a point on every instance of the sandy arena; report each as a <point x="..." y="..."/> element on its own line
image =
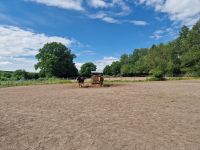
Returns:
<point x="131" y="116"/>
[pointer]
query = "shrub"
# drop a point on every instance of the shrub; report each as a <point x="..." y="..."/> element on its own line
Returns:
<point x="157" y="74"/>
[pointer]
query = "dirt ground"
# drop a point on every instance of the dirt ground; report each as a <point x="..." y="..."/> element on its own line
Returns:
<point x="131" y="116"/>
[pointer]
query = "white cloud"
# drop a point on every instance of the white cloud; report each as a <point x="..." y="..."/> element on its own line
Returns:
<point x="105" y="61"/>
<point x="105" y="10"/>
<point x="66" y="4"/>
<point x="100" y="63"/>
<point x="17" y="44"/>
<point x="104" y="17"/>
<point x="98" y="3"/>
<point x="12" y="63"/>
<point x="86" y="52"/>
<point x="119" y="4"/>
<point x="166" y="32"/>
<point x="138" y="22"/>
<point x="185" y="11"/>
<point x="5" y="62"/>
<point x="78" y="65"/>
<point x="78" y="4"/>
<point x="158" y="34"/>
<point x="110" y="20"/>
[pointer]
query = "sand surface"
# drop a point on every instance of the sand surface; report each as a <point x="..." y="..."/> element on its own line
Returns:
<point x="131" y="116"/>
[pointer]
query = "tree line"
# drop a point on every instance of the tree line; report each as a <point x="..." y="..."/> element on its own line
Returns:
<point x="17" y="75"/>
<point x="54" y="60"/>
<point x="178" y="57"/>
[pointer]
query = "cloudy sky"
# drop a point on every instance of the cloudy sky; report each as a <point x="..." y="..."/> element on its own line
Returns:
<point x="95" y="30"/>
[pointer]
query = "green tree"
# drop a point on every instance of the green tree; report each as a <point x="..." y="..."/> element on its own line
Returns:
<point x="87" y="68"/>
<point x="157" y="74"/>
<point x="190" y="59"/>
<point x="20" y="74"/>
<point x="5" y="75"/>
<point x="157" y="57"/>
<point x="124" y="59"/>
<point x="107" y="70"/>
<point x="55" y="59"/>
<point x="178" y="57"/>
<point x="32" y="75"/>
<point x="115" y="68"/>
<point x="126" y="70"/>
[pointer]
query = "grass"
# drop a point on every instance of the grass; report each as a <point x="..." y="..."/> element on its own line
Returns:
<point x="34" y="82"/>
<point x="152" y="79"/>
<point x="123" y="81"/>
<point x="64" y="81"/>
<point x="183" y="78"/>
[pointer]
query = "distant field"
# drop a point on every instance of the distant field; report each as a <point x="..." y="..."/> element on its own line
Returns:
<point x="138" y="79"/>
<point x="33" y="82"/>
<point x="125" y="116"/>
<point x="62" y="81"/>
<point x="126" y="78"/>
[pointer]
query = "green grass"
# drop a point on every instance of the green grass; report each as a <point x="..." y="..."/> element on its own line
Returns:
<point x="183" y="78"/>
<point x="64" y="81"/>
<point x="152" y="79"/>
<point x="33" y="82"/>
<point x="123" y="81"/>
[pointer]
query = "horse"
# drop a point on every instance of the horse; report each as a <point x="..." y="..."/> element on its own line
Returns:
<point x="80" y="81"/>
<point x="101" y="79"/>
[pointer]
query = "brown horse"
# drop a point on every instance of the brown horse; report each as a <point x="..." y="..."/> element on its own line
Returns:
<point x="101" y="79"/>
<point x="81" y="81"/>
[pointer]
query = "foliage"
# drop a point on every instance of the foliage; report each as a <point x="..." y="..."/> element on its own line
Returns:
<point x="87" y="68"/>
<point x="107" y="70"/>
<point x="17" y="75"/>
<point x="115" y="68"/>
<point x="157" y="74"/>
<point x="54" y="59"/>
<point x="20" y="75"/>
<point x="178" y="57"/>
<point x="33" y="82"/>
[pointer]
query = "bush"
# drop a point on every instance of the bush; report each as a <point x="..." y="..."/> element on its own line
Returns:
<point x="157" y="74"/>
<point x="19" y="74"/>
<point x="31" y="75"/>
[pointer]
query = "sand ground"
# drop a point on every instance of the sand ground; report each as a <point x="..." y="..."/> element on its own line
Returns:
<point x="131" y="116"/>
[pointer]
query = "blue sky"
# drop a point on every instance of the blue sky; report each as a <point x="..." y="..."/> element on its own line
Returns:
<point x="96" y="30"/>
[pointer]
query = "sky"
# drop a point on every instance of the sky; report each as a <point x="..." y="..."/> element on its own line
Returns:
<point x="97" y="31"/>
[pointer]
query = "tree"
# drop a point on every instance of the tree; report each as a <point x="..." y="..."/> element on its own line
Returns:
<point x="87" y="68"/>
<point x="32" y="75"/>
<point x="107" y="70"/>
<point x="126" y="70"/>
<point x="157" y="74"/>
<point x="55" y="59"/>
<point x="178" y="57"/>
<point x="5" y="75"/>
<point x="20" y="74"/>
<point x="115" y="68"/>
<point x="158" y="57"/>
<point x="124" y="59"/>
<point x="190" y="60"/>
